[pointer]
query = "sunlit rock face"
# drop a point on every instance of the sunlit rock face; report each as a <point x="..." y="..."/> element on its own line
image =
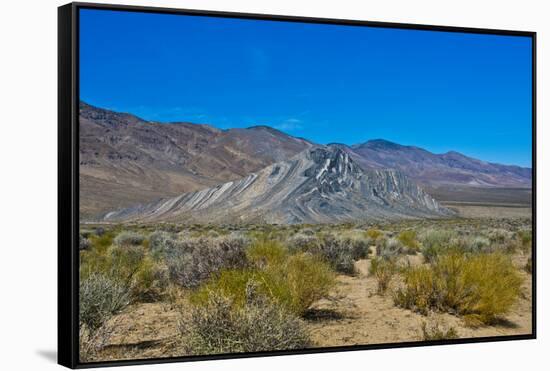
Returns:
<point x="321" y="184"/>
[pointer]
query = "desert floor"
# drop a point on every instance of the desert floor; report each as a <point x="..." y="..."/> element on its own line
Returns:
<point x="353" y="314"/>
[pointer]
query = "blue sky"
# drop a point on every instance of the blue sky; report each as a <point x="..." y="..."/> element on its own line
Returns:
<point x="437" y="90"/>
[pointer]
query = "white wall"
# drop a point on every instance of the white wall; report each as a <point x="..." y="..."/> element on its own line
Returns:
<point x="28" y="57"/>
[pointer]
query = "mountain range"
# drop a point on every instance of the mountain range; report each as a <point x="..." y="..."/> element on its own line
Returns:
<point x="319" y="185"/>
<point x="127" y="163"/>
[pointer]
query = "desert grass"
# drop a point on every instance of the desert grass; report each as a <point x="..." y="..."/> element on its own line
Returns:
<point x="462" y="268"/>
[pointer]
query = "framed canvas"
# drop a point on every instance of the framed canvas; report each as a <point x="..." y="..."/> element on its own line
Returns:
<point x="241" y="185"/>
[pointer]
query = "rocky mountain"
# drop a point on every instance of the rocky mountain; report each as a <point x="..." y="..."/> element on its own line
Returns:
<point x="319" y="185"/>
<point x="435" y="170"/>
<point x="125" y="160"/>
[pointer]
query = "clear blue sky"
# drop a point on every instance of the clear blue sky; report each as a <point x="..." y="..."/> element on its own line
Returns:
<point x="437" y="90"/>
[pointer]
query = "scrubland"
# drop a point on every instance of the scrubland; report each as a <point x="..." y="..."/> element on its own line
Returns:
<point x="175" y="290"/>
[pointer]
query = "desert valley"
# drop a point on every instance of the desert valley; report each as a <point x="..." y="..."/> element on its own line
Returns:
<point x="197" y="240"/>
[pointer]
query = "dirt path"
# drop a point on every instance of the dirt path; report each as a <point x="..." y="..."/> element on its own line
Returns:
<point x="357" y="315"/>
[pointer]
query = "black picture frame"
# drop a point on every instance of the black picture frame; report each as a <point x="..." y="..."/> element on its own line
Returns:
<point x="68" y="181"/>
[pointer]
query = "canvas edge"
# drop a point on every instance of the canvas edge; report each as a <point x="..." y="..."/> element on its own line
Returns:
<point x="68" y="97"/>
<point x="67" y="249"/>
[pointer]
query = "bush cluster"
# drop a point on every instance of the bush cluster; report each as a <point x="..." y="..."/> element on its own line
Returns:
<point x="218" y="326"/>
<point x="294" y="281"/>
<point x="408" y="239"/>
<point x="129" y="266"/>
<point x="193" y="261"/>
<point x="127" y="238"/>
<point x="435" y="242"/>
<point x="480" y="287"/>
<point x="389" y="248"/>
<point x="100" y="297"/>
<point x="340" y="252"/>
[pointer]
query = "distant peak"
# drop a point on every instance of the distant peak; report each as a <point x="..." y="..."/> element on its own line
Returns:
<point x="337" y="145"/>
<point x="266" y="128"/>
<point x="454" y="153"/>
<point x="380" y="144"/>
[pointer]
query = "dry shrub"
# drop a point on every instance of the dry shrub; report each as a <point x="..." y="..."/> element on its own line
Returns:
<point x="193" y="261"/>
<point x="480" y="287"/>
<point x="389" y="249"/>
<point x="436" y="332"/>
<point x="128" y="238"/>
<point x="341" y="253"/>
<point x="302" y="242"/>
<point x="100" y="298"/>
<point x="161" y="243"/>
<point x="383" y="270"/>
<point x="218" y="326"/>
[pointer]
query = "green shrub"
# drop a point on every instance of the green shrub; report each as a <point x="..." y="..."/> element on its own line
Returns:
<point x="267" y="252"/>
<point x="480" y="287"/>
<point x="218" y="326"/>
<point x="383" y="270"/>
<point x="295" y="282"/>
<point x="374" y="234"/>
<point x="130" y="267"/>
<point x="102" y="242"/>
<point x="127" y="238"/>
<point x="408" y="239"/>
<point x="125" y="262"/>
<point x="302" y="280"/>
<point x="434" y="242"/>
<point x="149" y="281"/>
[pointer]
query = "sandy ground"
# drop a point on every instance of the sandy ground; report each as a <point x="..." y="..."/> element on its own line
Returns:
<point x="360" y="316"/>
<point x="354" y="314"/>
<point x="486" y="211"/>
